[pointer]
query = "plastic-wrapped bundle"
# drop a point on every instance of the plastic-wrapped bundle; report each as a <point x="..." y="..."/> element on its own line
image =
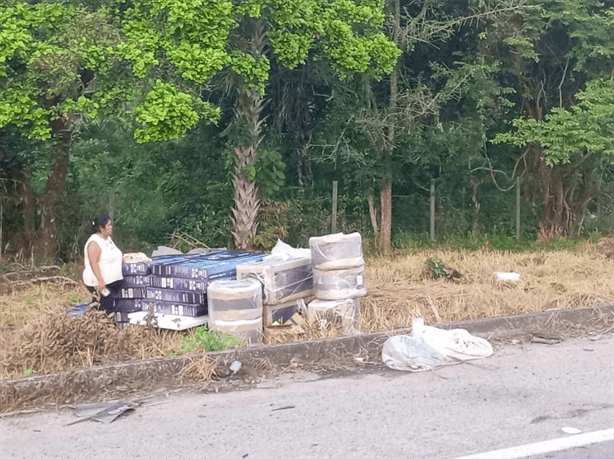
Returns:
<point x="127" y="305"/>
<point x="230" y="300"/>
<point x="175" y="308"/>
<point x="136" y="280"/>
<point x="204" y="266"/>
<point x="281" y="313"/>
<point x="249" y="331"/>
<point x="339" y="284"/>
<point x="336" y="251"/>
<point x="129" y="292"/>
<point x="283" y="280"/>
<point x="163" y="294"/>
<point x="342" y="312"/>
<point x="133" y="269"/>
<point x="179" y="283"/>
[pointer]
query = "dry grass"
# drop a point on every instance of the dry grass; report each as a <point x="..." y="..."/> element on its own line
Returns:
<point x="400" y="289"/>
<point x="37" y="336"/>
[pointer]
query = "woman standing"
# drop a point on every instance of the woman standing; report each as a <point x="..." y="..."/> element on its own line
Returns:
<point x="103" y="262"/>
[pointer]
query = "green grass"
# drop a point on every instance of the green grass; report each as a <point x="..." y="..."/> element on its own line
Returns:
<point x="211" y="341"/>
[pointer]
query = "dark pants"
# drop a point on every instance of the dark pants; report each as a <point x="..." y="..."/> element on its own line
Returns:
<point x="106" y="302"/>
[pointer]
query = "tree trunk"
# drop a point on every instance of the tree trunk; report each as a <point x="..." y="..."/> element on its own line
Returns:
<point x="247" y="202"/>
<point x="386" y="180"/>
<point x="39" y="226"/>
<point x="50" y="203"/>
<point x="305" y="175"/>
<point x="246" y="194"/>
<point x="475" y="198"/>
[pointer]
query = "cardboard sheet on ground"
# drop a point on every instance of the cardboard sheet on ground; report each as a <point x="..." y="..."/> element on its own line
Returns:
<point x="429" y="347"/>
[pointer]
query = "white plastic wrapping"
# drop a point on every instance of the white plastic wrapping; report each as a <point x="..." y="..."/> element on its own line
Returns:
<point x="336" y="251"/>
<point x="339" y="284"/>
<point x="344" y="312"/>
<point x="229" y="300"/>
<point x="282" y="279"/>
<point x="286" y="252"/>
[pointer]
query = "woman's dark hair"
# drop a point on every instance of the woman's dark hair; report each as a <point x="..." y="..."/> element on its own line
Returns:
<point x="99" y="222"/>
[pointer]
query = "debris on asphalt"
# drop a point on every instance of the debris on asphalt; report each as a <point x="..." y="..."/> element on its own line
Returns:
<point x="106" y="412"/>
<point x="429" y="348"/>
<point x="571" y="430"/>
<point x="235" y="367"/>
<point x="545" y="338"/>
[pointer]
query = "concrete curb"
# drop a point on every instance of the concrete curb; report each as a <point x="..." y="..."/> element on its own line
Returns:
<point x="141" y="374"/>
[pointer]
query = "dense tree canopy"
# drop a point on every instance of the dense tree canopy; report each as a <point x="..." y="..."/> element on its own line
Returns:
<point x="226" y="122"/>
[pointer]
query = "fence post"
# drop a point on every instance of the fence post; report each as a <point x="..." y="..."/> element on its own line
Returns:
<point x="517" y="208"/>
<point x="334" y="222"/>
<point x="433" y="210"/>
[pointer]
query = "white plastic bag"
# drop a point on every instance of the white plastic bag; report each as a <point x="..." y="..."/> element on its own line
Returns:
<point x="284" y="251"/>
<point x="429" y="347"/>
<point x="408" y="353"/>
<point x="456" y="343"/>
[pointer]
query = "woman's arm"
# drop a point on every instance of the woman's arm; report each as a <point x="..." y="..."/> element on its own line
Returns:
<point x="93" y="253"/>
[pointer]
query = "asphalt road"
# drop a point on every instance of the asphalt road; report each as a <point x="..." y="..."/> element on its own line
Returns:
<point x="522" y="395"/>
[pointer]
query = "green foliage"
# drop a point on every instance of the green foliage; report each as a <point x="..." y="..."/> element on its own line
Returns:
<point x="210" y="341"/>
<point x="166" y="114"/>
<point x="272" y="225"/>
<point x="269" y="171"/>
<point x="45" y="49"/>
<point x="253" y="69"/>
<point x="436" y="267"/>
<point x="586" y="127"/>
<point x="347" y="32"/>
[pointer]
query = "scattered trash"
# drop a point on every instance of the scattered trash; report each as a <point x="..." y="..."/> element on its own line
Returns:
<point x="507" y="276"/>
<point x="408" y="353"/>
<point x="235" y="367"/>
<point x="545" y="338"/>
<point x="571" y="430"/>
<point x="78" y="310"/>
<point x="106" y="412"/>
<point x="456" y="343"/>
<point x="289" y="407"/>
<point x="429" y="348"/>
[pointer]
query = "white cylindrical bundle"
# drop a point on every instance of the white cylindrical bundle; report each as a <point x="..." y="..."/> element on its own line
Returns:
<point x="340" y="284"/>
<point x="343" y="312"/>
<point x="230" y="300"/>
<point x="249" y="331"/>
<point x="336" y="251"/>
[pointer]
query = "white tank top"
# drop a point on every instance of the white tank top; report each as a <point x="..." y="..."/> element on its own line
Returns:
<point x="110" y="262"/>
